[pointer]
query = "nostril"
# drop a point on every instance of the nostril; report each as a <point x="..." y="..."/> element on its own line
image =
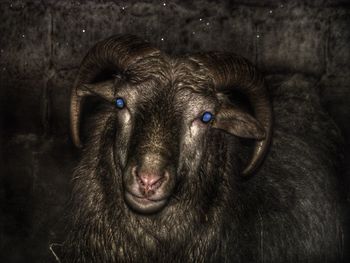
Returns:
<point x="148" y="182"/>
<point x="149" y="179"/>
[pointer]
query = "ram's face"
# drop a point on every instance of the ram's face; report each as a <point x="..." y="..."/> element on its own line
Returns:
<point x="161" y="128"/>
<point x="164" y="108"/>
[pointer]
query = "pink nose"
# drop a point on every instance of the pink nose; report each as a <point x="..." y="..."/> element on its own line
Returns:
<point x="149" y="182"/>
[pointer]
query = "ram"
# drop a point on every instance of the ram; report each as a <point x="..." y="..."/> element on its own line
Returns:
<point x="182" y="162"/>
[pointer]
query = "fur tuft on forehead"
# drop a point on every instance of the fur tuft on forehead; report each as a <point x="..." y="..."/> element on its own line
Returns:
<point x="188" y="74"/>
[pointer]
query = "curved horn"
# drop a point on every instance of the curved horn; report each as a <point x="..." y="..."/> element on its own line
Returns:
<point x="230" y="71"/>
<point x="115" y="54"/>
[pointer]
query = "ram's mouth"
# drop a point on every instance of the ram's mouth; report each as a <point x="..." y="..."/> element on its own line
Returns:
<point x="144" y="205"/>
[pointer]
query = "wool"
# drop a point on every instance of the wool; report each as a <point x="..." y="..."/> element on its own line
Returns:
<point x="287" y="212"/>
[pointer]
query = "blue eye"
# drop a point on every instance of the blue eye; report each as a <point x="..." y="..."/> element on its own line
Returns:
<point x="119" y="103"/>
<point x="207" y="117"/>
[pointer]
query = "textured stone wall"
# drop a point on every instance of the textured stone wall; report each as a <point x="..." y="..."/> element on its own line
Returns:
<point x="42" y="43"/>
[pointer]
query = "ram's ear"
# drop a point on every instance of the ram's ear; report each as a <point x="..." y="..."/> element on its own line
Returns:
<point x="237" y="122"/>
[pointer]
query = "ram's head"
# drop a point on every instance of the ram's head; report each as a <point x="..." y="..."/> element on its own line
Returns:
<point x="161" y="110"/>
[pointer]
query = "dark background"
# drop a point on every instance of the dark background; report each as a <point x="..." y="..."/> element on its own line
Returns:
<point x="43" y="42"/>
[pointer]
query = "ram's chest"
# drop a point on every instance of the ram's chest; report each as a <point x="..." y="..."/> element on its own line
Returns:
<point x="174" y="243"/>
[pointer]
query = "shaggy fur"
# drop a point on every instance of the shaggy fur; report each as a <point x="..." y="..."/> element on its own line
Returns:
<point x="287" y="212"/>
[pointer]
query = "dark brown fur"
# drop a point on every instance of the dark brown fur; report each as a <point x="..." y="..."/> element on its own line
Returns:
<point x="287" y="212"/>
